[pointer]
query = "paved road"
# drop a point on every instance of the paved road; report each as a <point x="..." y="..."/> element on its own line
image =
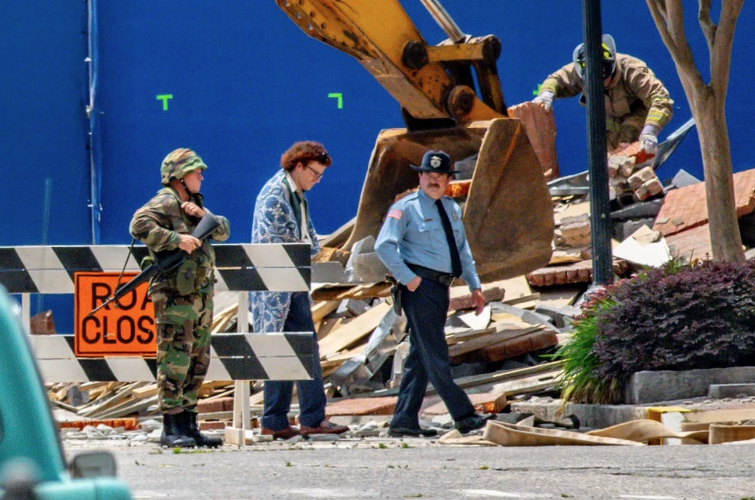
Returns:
<point x="394" y="469"/>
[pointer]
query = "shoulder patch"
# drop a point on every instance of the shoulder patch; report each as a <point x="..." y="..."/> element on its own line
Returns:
<point x="395" y="214"/>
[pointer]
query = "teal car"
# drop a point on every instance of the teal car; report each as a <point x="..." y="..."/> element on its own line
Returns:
<point x="32" y="463"/>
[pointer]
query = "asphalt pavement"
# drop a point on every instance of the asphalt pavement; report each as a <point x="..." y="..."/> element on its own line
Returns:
<point x="385" y="468"/>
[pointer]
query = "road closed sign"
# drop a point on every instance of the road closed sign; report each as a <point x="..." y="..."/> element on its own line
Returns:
<point x="125" y="329"/>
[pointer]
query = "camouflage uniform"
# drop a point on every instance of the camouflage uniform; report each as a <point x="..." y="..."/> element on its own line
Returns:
<point x="183" y="297"/>
<point x="634" y="98"/>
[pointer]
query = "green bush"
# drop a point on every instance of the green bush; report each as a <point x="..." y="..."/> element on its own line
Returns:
<point x="679" y="317"/>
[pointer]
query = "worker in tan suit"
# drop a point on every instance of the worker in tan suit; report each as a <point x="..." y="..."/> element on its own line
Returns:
<point x="638" y="106"/>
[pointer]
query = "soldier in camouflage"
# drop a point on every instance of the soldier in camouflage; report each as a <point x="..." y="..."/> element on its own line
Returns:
<point x="182" y="297"/>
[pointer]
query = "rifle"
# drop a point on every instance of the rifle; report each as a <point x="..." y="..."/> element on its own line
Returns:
<point x="165" y="261"/>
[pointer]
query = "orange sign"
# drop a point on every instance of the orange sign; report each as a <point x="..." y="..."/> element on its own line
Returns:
<point x="127" y="329"/>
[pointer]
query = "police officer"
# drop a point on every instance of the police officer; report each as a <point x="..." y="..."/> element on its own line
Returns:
<point x="638" y="106"/>
<point x="423" y="244"/>
<point x="183" y="297"/>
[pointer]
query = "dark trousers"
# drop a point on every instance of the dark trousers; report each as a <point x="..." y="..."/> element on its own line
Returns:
<point x="428" y="359"/>
<point x="311" y="393"/>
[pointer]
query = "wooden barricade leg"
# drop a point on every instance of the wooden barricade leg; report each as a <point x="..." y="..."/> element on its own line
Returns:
<point x="26" y="311"/>
<point x="240" y="431"/>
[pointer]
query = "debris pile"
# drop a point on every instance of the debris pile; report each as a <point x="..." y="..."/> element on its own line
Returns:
<point x="496" y="356"/>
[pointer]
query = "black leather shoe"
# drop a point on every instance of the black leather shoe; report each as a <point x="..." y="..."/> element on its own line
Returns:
<point x="474" y="422"/>
<point x="406" y="432"/>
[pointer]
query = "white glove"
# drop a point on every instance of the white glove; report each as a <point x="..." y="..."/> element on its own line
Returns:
<point x="649" y="139"/>
<point x="545" y="99"/>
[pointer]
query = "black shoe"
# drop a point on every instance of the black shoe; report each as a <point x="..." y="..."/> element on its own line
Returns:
<point x="189" y="426"/>
<point x="473" y="422"/>
<point x="173" y="435"/>
<point x="406" y="432"/>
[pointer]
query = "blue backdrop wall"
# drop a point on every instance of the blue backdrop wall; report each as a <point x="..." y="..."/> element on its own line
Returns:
<point x="244" y="83"/>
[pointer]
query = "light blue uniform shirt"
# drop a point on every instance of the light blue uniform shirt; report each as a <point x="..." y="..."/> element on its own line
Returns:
<point x="413" y="233"/>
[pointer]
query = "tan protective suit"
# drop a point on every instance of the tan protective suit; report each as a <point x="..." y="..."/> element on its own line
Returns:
<point x="634" y="97"/>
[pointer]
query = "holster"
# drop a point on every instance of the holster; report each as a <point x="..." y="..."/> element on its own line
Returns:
<point x="396" y="295"/>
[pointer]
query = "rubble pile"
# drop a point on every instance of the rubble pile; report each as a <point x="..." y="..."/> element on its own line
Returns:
<point x="496" y="356"/>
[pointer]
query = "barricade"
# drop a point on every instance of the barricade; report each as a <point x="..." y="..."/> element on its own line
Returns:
<point x="240" y="357"/>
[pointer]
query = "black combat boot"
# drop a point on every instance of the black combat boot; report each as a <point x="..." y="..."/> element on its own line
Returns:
<point x="190" y="428"/>
<point x="173" y="436"/>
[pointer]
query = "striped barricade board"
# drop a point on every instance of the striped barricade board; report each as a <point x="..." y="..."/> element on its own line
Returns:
<point x="234" y="356"/>
<point x="284" y="267"/>
<point x="240" y="357"/>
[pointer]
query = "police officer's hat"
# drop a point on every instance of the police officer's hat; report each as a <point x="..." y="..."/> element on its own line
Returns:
<point x="435" y="161"/>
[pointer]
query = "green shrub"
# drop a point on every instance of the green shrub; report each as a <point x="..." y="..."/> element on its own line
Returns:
<point x="580" y="382"/>
<point x="679" y="317"/>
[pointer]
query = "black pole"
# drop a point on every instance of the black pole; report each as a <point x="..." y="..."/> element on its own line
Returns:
<point x="600" y="210"/>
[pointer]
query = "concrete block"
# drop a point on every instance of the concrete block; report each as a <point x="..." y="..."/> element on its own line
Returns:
<point x="648" y="189"/>
<point x="658" y="386"/>
<point x="614" y="162"/>
<point x="641" y="177"/>
<point x="720" y="391"/>
<point x="627" y="167"/>
<point x="327" y="272"/>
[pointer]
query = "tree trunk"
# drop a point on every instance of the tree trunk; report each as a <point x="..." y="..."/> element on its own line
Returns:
<point x="726" y="241"/>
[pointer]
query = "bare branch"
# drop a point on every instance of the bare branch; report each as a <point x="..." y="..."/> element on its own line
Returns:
<point x="706" y="24"/>
<point x="658" y="11"/>
<point x="675" y="21"/>
<point x="720" y="52"/>
<point x="669" y="20"/>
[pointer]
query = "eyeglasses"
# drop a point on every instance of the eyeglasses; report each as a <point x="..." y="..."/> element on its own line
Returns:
<point x="318" y="175"/>
<point x="323" y="158"/>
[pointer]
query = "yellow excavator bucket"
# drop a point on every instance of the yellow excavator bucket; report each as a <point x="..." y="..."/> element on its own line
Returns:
<point x="507" y="211"/>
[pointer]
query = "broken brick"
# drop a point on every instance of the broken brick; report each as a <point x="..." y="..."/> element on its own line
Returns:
<point x="688" y="204"/>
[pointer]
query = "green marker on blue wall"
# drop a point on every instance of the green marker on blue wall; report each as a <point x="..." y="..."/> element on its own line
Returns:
<point x="164" y="98"/>
<point x="339" y="97"/>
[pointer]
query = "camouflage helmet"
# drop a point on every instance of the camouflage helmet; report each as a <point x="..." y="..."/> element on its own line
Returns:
<point x="178" y="163"/>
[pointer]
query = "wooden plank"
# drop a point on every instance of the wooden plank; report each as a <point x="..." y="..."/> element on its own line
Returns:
<point x="322" y="309"/>
<point x="505" y="375"/>
<point x="326" y="326"/>
<point x="89" y="386"/>
<point x="358" y="328"/>
<point x="127" y="408"/>
<point x="493" y="339"/>
<point x="534" y="297"/>
<point x="221" y="322"/>
<point x="331" y="291"/>
<point x="145" y="392"/>
<point x="489" y="378"/>
<point x="341" y="291"/>
<point x="115" y="398"/>
<point x="467" y="335"/>
<point x="528" y="385"/>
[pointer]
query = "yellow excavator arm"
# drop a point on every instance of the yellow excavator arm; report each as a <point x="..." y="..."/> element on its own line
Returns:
<point x="507" y="207"/>
<point x="428" y="81"/>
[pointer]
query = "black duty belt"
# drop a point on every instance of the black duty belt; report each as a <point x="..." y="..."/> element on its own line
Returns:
<point x="444" y="279"/>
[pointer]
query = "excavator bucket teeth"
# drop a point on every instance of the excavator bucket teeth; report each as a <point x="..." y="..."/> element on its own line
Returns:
<point x="508" y="214"/>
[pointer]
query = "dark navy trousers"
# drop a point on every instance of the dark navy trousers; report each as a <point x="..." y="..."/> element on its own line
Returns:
<point x="428" y="359"/>
<point x="311" y="393"/>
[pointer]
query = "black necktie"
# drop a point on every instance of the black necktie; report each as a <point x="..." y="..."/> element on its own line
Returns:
<point x="455" y="259"/>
